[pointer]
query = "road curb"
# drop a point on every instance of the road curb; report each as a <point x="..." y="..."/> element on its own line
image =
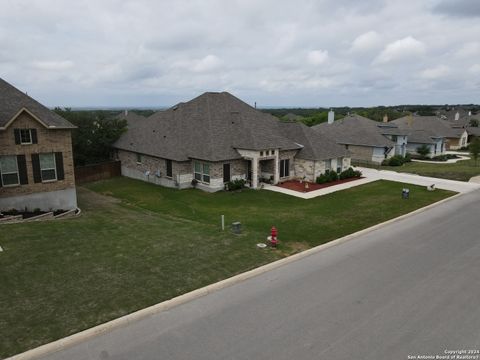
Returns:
<point x="74" y="339"/>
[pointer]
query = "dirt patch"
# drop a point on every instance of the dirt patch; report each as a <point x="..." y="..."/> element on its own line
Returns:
<point x="294" y="248"/>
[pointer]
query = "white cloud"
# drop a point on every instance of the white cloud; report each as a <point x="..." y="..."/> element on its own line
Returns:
<point x="474" y="69"/>
<point x="367" y="41"/>
<point x="317" y="57"/>
<point x="145" y="52"/>
<point x="436" y="72"/>
<point x="406" y="48"/>
<point x="60" y="65"/>
<point x="208" y="63"/>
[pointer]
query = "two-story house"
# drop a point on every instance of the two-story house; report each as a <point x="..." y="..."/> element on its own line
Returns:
<point x="36" y="163"/>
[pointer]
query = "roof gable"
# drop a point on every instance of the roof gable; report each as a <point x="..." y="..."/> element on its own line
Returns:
<point x="13" y="102"/>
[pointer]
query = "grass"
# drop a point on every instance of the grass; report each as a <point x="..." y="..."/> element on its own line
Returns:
<point x="142" y="244"/>
<point x="461" y="170"/>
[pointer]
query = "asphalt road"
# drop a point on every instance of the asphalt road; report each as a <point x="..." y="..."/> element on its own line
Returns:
<point x="409" y="288"/>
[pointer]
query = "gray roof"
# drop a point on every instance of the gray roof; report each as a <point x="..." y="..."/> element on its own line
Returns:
<point x="316" y="146"/>
<point x="209" y="127"/>
<point x="422" y="128"/>
<point x="13" y="100"/>
<point x="358" y="130"/>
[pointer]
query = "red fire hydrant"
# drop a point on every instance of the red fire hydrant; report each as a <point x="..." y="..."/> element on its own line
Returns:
<point x="273" y="236"/>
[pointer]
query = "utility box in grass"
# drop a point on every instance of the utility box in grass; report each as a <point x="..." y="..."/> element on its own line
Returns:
<point x="237" y="227"/>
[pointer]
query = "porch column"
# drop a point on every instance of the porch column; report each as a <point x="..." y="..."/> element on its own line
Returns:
<point x="276" y="168"/>
<point x="254" y="173"/>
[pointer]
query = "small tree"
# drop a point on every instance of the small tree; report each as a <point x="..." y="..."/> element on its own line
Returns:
<point x="423" y="150"/>
<point x="474" y="122"/>
<point x="475" y="149"/>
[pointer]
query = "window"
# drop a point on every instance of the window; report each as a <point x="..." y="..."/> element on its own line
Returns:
<point x="48" y="170"/>
<point x="261" y="153"/>
<point x="328" y="164"/>
<point x="169" y="167"/>
<point x="394" y="138"/>
<point x="9" y="170"/>
<point x="284" y="168"/>
<point x="139" y="158"/>
<point x="202" y="172"/>
<point x="25" y="136"/>
<point x="339" y="165"/>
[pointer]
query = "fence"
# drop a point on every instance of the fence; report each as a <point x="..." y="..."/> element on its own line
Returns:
<point x="96" y="172"/>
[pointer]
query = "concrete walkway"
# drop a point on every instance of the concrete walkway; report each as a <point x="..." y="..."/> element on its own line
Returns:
<point x="374" y="175"/>
<point x="449" y="161"/>
<point x="452" y="185"/>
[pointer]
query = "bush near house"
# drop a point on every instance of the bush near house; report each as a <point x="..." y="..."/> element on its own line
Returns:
<point x="397" y="160"/>
<point x="235" y="185"/>
<point x="423" y="151"/>
<point x="331" y="175"/>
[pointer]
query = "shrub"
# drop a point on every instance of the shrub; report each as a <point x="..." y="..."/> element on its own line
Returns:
<point x="332" y="175"/>
<point x="408" y="157"/>
<point x="235" y="185"/>
<point x="194" y="183"/>
<point x="322" y="179"/>
<point x="423" y="150"/>
<point x="397" y="160"/>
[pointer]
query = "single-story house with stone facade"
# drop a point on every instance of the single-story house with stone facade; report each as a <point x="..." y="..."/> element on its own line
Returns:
<point x="216" y="138"/>
<point x="36" y="162"/>
<point x="436" y="133"/>
<point x="366" y="139"/>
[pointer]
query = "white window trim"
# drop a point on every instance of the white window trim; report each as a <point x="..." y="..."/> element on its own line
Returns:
<point x="9" y="173"/>
<point x="54" y="169"/>
<point x="30" y="135"/>
<point x="201" y="173"/>
<point x="280" y="168"/>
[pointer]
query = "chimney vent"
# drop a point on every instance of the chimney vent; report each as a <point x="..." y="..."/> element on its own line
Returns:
<point x="331" y="116"/>
<point x="385" y="118"/>
<point x="457" y="116"/>
<point x="126" y="112"/>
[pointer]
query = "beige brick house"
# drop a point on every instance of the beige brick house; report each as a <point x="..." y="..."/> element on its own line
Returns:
<point x="36" y="163"/>
<point x="216" y="138"/>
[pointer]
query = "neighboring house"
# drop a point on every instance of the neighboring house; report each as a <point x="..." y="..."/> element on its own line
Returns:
<point x="433" y="132"/>
<point x="366" y="139"/>
<point x="216" y="138"/>
<point x="36" y="163"/>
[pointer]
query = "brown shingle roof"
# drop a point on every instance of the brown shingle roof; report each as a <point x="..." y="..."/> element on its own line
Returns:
<point x="13" y="100"/>
<point x="211" y="127"/>
<point x="356" y="130"/>
<point x="208" y="127"/>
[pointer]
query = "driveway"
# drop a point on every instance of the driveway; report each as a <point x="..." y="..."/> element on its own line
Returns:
<point x="458" y="186"/>
<point x="408" y="288"/>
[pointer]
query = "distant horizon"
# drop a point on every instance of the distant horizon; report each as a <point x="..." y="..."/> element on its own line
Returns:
<point x="121" y="108"/>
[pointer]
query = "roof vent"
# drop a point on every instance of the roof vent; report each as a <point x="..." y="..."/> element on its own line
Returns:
<point x="331" y="116"/>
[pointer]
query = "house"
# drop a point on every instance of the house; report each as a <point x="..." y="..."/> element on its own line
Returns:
<point x="437" y="134"/>
<point x="216" y="138"/>
<point x="36" y="163"/>
<point x="366" y="139"/>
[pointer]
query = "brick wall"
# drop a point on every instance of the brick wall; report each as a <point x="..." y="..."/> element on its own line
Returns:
<point x="49" y="140"/>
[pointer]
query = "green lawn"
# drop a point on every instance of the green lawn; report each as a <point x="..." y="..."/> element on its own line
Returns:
<point x="143" y="244"/>
<point x="461" y="170"/>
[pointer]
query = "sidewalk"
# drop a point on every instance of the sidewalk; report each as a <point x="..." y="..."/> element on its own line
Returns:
<point x="374" y="175"/>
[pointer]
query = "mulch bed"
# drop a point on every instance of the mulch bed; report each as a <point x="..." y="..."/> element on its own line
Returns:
<point x="300" y="186"/>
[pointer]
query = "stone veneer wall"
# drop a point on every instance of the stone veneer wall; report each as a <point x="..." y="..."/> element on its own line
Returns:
<point x="182" y="172"/>
<point x="311" y="169"/>
<point x="49" y="140"/>
<point x="288" y="154"/>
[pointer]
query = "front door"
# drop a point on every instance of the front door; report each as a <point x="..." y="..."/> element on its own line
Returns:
<point x="226" y="173"/>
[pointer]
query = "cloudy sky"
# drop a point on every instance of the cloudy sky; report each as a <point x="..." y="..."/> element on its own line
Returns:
<point x="274" y="52"/>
